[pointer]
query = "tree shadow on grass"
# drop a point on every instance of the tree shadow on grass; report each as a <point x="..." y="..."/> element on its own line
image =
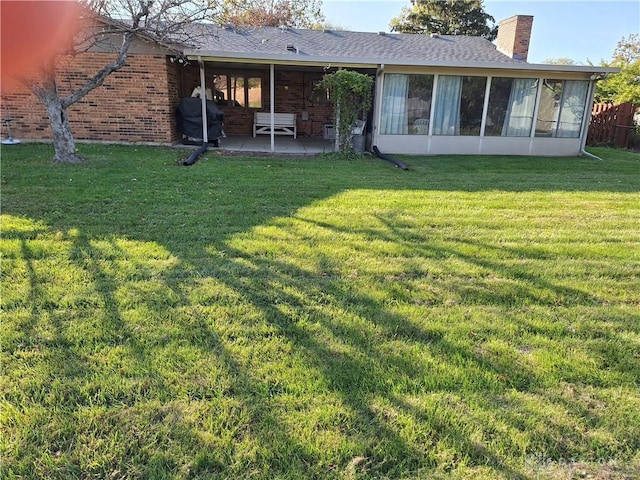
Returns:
<point x="360" y="355"/>
<point x="111" y="380"/>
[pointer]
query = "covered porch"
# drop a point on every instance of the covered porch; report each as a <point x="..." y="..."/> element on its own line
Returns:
<point x="244" y="88"/>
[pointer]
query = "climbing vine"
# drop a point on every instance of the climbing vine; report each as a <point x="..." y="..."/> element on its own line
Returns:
<point x="350" y="93"/>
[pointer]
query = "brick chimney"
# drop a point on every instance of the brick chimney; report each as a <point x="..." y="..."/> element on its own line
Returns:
<point x="514" y="34"/>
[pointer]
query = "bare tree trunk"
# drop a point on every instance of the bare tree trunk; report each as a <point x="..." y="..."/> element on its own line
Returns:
<point x="63" y="141"/>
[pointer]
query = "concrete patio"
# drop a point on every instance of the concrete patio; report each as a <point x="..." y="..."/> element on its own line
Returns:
<point x="285" y="145"/>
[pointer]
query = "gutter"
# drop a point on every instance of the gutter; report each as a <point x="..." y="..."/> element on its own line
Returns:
<point x="302" y="59"/>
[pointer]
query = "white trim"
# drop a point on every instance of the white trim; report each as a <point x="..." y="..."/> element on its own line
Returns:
<point x="433" y="103"/>
<point x="203" y="103"/>
<point x="584" y="132"/>
<point x="470" y="145"/>
<point x="272" y="103"/>
<point x="534" y="120"/>
<point x="485" y="108"/>
<point x="377" y="107"/>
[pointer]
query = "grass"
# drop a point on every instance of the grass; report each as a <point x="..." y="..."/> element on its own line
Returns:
<point x="475" y="317"/>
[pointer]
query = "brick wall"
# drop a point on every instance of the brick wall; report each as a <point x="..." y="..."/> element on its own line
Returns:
<point x="293" y="93"/>
<point x="135" y="104"/>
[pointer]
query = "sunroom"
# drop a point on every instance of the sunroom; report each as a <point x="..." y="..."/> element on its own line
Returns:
<point x="462" y="111"/>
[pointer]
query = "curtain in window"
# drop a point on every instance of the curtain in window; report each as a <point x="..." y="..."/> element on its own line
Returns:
<point x="394" y="118"/>
<point x="519" y="117"/>
<point x="446" y="116"/>
<point x="572" y="107"/>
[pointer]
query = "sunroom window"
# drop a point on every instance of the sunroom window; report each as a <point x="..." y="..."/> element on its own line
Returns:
<point x="562" y="108"/>
<point x="406" y="104"/>
<point x="511" y="107"/>
<point x="459" y="105"/>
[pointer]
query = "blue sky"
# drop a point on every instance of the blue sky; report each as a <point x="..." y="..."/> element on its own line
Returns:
<point x="583" y="30"/>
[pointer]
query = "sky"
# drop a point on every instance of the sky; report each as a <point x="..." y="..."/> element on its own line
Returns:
<point x="583" y="30"/>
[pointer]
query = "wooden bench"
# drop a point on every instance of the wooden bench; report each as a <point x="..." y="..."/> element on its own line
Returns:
<point x="283" y="123"/>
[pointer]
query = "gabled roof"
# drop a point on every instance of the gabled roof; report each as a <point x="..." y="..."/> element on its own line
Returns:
<point x="299" y="46"/>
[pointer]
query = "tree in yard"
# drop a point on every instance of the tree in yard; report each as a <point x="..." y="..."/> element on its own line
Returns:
<point x="273" y="13"/>
<point x="446" y="17"/>
<point x="624" y="86"/>
<point x="110" y="25"/>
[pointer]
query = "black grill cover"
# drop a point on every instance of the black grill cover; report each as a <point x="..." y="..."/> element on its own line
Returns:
<point x="189" y="115"/>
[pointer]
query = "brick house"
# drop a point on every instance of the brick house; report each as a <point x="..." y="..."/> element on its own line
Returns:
<point x="434" y="94"/>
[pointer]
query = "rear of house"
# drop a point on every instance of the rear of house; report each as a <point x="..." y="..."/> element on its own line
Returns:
<point x="433" y="94"/>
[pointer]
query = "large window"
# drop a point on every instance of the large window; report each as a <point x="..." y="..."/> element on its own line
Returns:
<point x="238" y="91"/>
<point x="459" y="105"/>
<point x="562" y="108"/>
<point x="511" y="107"/>
<point x="406" y="104"/>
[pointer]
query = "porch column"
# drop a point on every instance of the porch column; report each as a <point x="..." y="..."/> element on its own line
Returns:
<point x="203" y="103"/>
<point x="272" y="90"/>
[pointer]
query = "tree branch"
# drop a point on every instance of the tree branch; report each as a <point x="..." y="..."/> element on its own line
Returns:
<point x="99" y="78"/>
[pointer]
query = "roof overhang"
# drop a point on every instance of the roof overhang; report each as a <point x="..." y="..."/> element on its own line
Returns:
<point x="279" y="59"/>
<point x="334" y="61"/>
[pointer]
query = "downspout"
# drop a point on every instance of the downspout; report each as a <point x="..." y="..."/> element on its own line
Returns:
<point x="272" y="103"/>
<point x="377" y="105"/>
<point x="203" y="103"/>
<point x="587" y="119"/>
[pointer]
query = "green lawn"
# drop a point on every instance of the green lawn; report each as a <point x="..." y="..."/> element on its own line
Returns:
<point x="279" y="318"/>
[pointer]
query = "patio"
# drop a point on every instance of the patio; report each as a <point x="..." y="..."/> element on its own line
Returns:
<point x="286" y="145"/>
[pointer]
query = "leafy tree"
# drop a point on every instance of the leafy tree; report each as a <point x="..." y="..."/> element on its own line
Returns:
<point x="446" y="17"/>
<point x="624" y="86"/>
<point x="273" y="13"/>
<point x="111" y="25"/>
<point x="560" y="61"/>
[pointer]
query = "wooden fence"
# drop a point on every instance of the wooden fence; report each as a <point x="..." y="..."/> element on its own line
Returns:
<point x="611" y="125"/>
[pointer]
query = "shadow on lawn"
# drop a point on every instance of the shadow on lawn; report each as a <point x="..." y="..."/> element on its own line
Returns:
<point x="357" y="371"/>
<point x="355" y="366"/>
<point x="362" y="353"/>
